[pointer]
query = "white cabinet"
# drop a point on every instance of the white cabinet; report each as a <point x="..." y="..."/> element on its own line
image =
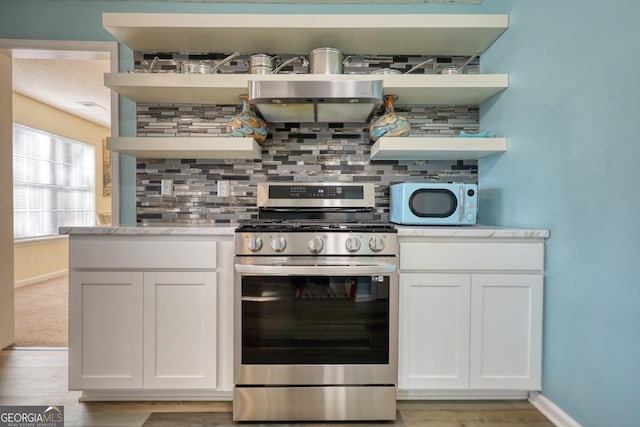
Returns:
<point x="143" y="330"/>
<point x="180" y="330"/>
<point x="506" y="331"/>
<point x="149" y="315"/>
<point x="105" y="330"/>
<point x="434" y="331"/>
<point x="470" y="314"/>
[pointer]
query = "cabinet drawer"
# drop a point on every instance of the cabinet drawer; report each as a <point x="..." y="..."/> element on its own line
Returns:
<point x="471" y="256"/>
<point x="108" y="252"/>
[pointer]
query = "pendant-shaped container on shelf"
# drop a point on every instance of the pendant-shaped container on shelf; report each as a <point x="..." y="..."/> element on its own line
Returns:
<point x="247" y="124"/>
<point x="390" y="123"/>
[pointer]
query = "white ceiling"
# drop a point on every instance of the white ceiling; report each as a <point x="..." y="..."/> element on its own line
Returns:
<point x="64" y="82"/>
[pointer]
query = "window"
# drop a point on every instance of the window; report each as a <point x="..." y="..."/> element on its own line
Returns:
<point x="53" y="183"/>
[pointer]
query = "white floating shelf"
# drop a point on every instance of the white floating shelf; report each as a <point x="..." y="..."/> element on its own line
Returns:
<point x="437" y="89"/>
<point x="424" y="148"/>
<point x="225" y="89"/>
<point x="395" y="34"/>
<point x="186" y="147"/>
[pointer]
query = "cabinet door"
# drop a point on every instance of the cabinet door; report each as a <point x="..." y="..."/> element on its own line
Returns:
<point x="506" y="331"/>
<point x="105" y="330"/>
<point x="180" y="330"/>
<point x="434" y="331"/>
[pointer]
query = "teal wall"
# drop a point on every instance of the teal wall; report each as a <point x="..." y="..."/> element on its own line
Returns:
<point x="570" y="116"/>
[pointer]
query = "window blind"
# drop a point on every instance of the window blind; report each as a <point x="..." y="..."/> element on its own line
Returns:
<point x="53" y="182"/>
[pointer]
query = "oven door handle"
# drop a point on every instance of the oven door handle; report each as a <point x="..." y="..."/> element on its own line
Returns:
<point x="315" y="270"/>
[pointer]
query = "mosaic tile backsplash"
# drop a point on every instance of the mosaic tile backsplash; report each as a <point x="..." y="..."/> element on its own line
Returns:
<point x="324" y="152"/>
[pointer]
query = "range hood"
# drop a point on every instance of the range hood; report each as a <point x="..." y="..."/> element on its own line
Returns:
<point x="315" y="101"/>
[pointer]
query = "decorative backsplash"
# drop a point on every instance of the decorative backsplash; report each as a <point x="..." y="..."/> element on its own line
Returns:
<point x="326" y="152"/>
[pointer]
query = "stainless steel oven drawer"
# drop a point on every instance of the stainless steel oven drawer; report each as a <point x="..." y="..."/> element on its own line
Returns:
<point x="336" y="403"/>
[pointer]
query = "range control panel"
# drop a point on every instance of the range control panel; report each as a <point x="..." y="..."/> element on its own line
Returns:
<point x="335" y="195"/>
<point x="316" y="192"/>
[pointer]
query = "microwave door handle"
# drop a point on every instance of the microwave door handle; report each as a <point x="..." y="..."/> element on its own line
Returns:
<point x="461" y="198"/>
<point x="314" y="270"/>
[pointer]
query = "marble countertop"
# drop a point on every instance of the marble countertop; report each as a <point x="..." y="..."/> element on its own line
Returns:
<point x="403" y="231"/>
<point x="149" y="231"/>
<point x="471" y="231"/>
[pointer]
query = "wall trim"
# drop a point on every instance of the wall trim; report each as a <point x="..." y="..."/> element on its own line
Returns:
<point x="461" y="395"/>
<point x="40" y="278"/>
<point x="143" y="395"/>
<point x="36" y="241"/>
<point x="552" y="411"/>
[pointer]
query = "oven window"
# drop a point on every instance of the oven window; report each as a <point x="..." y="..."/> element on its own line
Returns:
<point x="433" y="203"/>
<point x="315" y="320"/>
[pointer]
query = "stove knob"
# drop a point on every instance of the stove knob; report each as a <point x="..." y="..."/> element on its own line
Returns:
<point x="278" y="244"/>
<point x="376" y="244"/>
<point x="315" y="244"/>
<point x="352" y="244"/>
<point x="254" y="244"/>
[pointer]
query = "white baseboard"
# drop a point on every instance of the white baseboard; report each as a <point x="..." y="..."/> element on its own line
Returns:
<point x="42" y="277"/>
<point x="163" y="395"/>
<point x="461" y="395"/>
<point x="552" y="411"/>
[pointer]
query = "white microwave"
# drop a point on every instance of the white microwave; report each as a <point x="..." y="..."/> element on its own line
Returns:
<point x="433" y="203"/>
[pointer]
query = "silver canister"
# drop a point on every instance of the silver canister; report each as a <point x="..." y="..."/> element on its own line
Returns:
<point x="326" y="60"/>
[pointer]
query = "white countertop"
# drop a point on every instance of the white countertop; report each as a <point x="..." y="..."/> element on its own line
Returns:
<point x="403" y="231"/>
<point x="470" y="231"/>
<point x="150" y="231"/>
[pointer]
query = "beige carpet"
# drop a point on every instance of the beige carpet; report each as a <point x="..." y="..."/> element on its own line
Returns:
<point x="42" y="314"/>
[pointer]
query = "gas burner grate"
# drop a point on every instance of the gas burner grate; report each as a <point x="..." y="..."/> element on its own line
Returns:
<point x="314" y="226"/>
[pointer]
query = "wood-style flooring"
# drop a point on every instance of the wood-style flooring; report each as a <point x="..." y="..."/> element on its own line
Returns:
<point x="39" y="377"/>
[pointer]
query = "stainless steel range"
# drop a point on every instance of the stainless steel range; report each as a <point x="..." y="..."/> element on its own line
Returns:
<point x="316" y="307"/>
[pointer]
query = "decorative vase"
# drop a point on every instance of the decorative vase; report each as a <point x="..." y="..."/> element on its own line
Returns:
<point x="247" y="124"/>
<point x="390" y="123"/>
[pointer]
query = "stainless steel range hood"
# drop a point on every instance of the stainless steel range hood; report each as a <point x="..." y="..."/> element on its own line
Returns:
<point x="315" y="101"/>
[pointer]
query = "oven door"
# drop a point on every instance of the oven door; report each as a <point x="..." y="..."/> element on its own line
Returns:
<point x="310" y="320"/>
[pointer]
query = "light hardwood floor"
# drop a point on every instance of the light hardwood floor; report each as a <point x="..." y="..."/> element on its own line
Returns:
<point x="39" y="377"/>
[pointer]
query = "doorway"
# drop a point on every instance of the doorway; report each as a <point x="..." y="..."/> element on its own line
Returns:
<point x="41" y="59"/>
